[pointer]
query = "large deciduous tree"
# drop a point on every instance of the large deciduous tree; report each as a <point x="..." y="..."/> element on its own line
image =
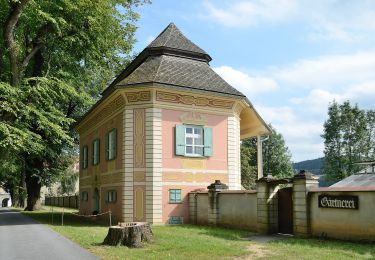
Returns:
<point x="348" y="138"/>
<point x="276" y="159"/>
<point x="55" y="59"/>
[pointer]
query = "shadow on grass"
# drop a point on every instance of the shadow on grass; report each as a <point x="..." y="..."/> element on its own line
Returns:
<point x="219" y="232"/>
<point x="362" y="248"/>
<point x="55" y="219"/>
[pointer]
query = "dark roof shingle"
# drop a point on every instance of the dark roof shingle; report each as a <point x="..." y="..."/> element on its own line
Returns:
<point x="180" y="72"/>
<point x="172" y="37"/>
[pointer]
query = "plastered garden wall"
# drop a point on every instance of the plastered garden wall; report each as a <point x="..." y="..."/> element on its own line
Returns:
<point x="237" y="209"/>
<point x="350" y="224"/>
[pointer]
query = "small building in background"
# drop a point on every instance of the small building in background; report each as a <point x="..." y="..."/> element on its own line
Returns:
<point x="5" y="198"/>
<point x="166" y="126"/>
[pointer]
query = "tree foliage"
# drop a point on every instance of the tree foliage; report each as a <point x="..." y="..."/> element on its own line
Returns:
<point x="68" y="180"/>
<point x="348" y="138"/>
<point x="276" y="159"/>
<point x="249" y="173"/>
<point x="55" y="59"/>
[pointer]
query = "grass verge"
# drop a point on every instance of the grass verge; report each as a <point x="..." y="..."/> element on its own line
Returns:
<point x="199" y="242"/>
<point x="171" y="242"/>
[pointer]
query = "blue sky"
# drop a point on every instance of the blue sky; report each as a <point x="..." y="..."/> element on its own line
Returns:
<point x="290" y="58"/>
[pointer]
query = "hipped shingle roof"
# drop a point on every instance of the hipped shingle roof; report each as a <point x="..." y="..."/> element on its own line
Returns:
<point x="172" y="60"/>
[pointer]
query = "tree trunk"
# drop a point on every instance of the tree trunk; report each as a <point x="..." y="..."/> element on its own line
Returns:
<point x="131" y="234"/>
<point x="16" y="8"/>
<point x="33" y="193"/>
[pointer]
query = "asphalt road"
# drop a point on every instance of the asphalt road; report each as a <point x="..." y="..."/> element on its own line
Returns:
<point x="23" y="238"/>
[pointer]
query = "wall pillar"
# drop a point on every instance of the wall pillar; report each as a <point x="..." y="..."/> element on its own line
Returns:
<point x="234" y="157"/>
<point x="154" y="194"/>
<point x="213" y="200"/>
<point x="259" y="157"/>
<point x="267" y="205"/>
<point x="302" y="182"/>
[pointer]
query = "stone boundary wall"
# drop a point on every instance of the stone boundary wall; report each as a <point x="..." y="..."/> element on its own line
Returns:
<point x="236" y="209"/>
<point x="63" y="201"/>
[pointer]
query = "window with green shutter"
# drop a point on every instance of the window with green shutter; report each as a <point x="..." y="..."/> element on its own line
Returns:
<point x="175" y="196"/>
<point x="111" y="196"/>
<point x="193" y="140"/>
<point x="84" y="196"/>
<point x="111" y="144"/>
<point x="85" y="157"/>
<point x="96" y="151"/>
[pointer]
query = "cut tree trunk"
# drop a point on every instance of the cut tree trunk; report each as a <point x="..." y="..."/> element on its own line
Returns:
<point x="132" y="234"/>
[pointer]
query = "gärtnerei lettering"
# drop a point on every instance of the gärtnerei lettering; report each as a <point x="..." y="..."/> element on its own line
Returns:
<point x="339" y="202"/>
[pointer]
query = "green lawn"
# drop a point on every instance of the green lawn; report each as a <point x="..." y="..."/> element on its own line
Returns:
<point x="198" y="242"/>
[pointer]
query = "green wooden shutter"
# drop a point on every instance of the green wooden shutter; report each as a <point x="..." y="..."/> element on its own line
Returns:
<point x="178" y="196"/>
<point x="98" y="153"/>
<point x="180" y="140"/>
<point x="85" y="157"/>
<point x="93" y="152"/>
<point x="81" y="158"/>
<point x="114" y="143"/>
<point x="208" y="141"/>
<point x="107" y="146"/>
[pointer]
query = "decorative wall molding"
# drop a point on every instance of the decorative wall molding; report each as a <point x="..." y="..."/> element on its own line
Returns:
<point x="139" y="138"/>
<point x="133" y="97"/>
<point x="193" y="118"/>
<point x="170" y="97"/>
<point x="237" y="108"/>
<point x="139" y="176"/>
<point x="139" y="202"/>
<point x="105" y="112"/>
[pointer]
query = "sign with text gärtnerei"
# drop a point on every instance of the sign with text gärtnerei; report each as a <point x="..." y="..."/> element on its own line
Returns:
<point x="338" y="202"/>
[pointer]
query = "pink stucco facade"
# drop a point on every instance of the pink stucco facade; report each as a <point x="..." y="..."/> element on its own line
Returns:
<point x="191" y="173"/>
<point x="219" y="160"/>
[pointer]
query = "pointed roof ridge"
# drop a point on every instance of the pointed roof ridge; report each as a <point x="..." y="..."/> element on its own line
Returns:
<point x="172" y="38"/>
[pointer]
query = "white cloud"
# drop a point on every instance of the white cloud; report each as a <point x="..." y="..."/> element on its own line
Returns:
<point x="317" y="100"/>
<point x="276" y="114"/>
<point x="302" y="91"/>
<point x="362" y="90"/>
<point x="329" y="71"/>
<point x="301" y="134"/>
<point x="249" y="13"/>
<point x="245" y="83"/>
<point x="347" y="21"/>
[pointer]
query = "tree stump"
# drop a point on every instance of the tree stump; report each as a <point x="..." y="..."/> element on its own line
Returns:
<point x="131" y="234"/>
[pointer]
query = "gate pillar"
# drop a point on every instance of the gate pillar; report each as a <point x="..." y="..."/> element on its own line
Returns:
<point x="267" y="205"/>
<point x="302" y="182"/>
<point x="213" y="196"/>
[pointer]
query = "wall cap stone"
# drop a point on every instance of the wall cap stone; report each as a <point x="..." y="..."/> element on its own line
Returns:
<point x="305" y="175"/>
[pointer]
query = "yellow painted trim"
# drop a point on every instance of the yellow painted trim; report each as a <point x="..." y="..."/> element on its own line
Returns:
<point x="139" y="204"/>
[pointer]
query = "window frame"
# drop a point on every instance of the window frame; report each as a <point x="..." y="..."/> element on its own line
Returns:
<point x="93" y="151"/>
<point x="85" y="157"/>
<point x="111" y="196"/>
<point x="193" y="136"/>
<point x="84" y="196"/>
<point x="175" y="201"/>
<point x="111" y="156"/>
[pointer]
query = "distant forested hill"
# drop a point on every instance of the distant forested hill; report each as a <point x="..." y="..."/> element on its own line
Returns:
<point x="313" y="166"/>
